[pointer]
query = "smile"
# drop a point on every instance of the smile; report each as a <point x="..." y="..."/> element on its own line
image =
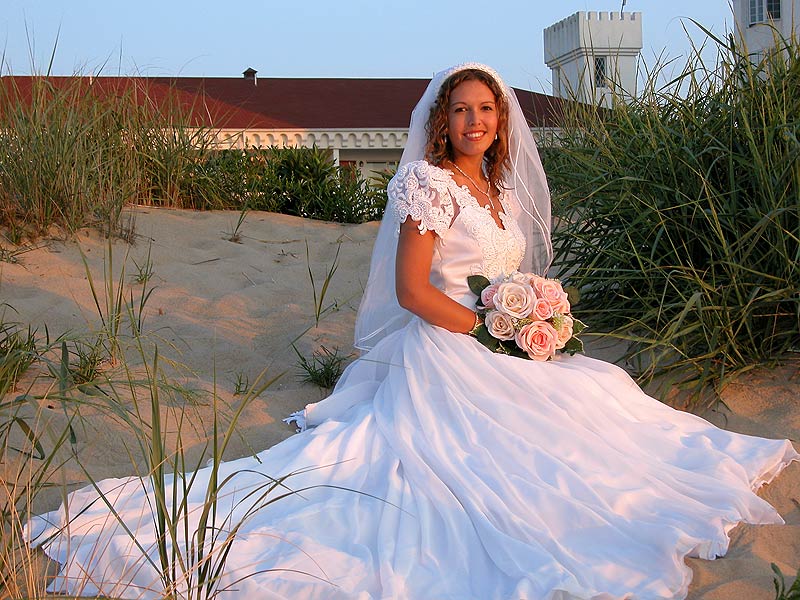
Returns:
<point x="474" y="135"/>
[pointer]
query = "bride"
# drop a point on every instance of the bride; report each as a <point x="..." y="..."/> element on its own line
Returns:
<point x="438" y="469"/>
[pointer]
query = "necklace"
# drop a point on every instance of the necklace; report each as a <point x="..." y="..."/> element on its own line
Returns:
<point x="471" y="180"/>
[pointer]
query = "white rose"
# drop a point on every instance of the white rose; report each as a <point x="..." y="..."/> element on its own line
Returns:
<point x="514" y="299"/>
<point x="500" y="326"/>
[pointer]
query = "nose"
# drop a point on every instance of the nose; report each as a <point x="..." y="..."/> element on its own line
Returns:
<point x="472" y="117"/>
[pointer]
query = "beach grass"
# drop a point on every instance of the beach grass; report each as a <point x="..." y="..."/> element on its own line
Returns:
<point x="18" y="350"/>
<point x="118" y="371"/>
<point x="679" y="218"/>
<point x="782" y="592"/>
<point x="75" y="153"/>
<point x="323" y="368"/>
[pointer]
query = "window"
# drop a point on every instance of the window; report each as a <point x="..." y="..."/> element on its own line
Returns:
<point x="557" y="81"/>
<point x="758" y="12"/>
<point x="600" y="73"/>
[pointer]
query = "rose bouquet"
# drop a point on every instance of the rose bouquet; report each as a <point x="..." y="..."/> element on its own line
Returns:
<point x="525" y="315"/>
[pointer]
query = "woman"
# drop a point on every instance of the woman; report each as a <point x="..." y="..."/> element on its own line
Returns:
<point x="442" y="470"/>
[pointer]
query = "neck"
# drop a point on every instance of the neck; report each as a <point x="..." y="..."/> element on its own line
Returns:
<point x="472" y="166"/>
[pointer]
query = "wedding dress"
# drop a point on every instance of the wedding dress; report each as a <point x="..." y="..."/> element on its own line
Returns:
<point x="439" y="470"/>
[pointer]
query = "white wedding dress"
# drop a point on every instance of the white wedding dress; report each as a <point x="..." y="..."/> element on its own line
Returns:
<point x="445" y="471"/>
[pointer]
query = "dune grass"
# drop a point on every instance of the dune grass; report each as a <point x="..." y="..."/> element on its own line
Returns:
<point x="18" y="350"/>
<point x="779" y="581"/>
<point x="679" y="216"/>
<point x="118" y="371"/>
<point x="76" y="152"/>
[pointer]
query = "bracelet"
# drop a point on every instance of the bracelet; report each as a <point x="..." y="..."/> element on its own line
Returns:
<point x="478" y="322"/>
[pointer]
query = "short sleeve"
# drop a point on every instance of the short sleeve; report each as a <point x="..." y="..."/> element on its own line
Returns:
<point x="420" y="190"/>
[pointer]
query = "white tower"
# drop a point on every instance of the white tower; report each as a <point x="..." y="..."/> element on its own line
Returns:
<point x="593" y="55"/>
<point x="759" y="22"/>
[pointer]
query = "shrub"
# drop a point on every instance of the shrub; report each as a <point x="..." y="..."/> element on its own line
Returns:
<point x="306" y="183"/>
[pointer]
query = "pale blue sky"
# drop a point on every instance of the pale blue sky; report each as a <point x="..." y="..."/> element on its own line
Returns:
<point x="318" y="38"/>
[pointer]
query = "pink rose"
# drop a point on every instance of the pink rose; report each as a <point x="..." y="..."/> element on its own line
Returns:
<point x="536" y="282"/>
<point x="487" y="295"/>
<point x="564" y="330"/>
<point x="541" y="310"/>
<point x="538" y="340"/>
<point x="499" y="325"/>
<point x="514" y="299"/>
<point x="551" y="290"/>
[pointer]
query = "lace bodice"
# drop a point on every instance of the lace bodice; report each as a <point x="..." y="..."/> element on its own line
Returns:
<point x="468" y="243"/>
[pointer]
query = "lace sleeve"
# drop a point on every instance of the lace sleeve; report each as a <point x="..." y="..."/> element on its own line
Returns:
<point x="419" y="191"/>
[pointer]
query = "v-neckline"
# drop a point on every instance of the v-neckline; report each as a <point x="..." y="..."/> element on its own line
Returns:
<point x="501" y="226"/>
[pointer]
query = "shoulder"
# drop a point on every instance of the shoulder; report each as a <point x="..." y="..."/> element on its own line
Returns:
<point x="420" y="190"/>
<point x="420" y="173"/>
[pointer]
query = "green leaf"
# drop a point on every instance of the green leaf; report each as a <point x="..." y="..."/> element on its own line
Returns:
<point x="477" y="283"/>
<point x="572" y="346"/>
<point x="573" y="295"/>
<point x="484" y="337"/>
<point x="38" y="451"/>
<point x="577" y="326"/>
<point x="512" y="349"/>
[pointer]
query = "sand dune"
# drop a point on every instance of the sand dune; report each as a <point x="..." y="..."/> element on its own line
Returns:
<point x="229" y="310"/>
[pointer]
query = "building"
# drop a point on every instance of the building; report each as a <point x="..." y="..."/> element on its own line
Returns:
<point x="362" y="122"/>
<point x="759" y="21"/>
<point x="594" y="56"/>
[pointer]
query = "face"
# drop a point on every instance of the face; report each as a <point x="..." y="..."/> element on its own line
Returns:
<point x="471" y="119"/>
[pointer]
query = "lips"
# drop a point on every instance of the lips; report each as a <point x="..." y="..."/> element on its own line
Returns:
<point x="474" y="136"/>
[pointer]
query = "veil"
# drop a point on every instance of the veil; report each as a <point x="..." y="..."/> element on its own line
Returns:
<point x="379" y="313"/>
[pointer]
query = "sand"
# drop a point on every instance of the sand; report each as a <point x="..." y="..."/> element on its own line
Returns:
<point x="228" y="311"/>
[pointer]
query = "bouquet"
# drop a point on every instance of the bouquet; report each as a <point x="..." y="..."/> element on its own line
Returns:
<point x="525" y="315"/>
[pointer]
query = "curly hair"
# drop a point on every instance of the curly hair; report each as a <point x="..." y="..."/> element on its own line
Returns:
<point x="438" y="148"/>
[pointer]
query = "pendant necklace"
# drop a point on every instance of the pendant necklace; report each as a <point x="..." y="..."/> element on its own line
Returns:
<point x="471" y="180"/>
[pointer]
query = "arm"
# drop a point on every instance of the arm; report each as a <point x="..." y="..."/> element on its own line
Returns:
<point x="412" y="281"/>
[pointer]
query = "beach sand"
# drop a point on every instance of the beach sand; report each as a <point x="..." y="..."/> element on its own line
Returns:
<point x="223" y="311"/>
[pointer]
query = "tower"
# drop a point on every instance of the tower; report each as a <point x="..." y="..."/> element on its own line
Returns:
<point x="759" y="22"/>
<point x="593" y="55"/>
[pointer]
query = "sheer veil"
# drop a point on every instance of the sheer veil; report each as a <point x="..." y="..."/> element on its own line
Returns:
<point x="379" y="313"/>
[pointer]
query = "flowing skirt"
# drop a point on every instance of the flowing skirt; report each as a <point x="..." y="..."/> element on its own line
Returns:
<point x="440" y="470"/>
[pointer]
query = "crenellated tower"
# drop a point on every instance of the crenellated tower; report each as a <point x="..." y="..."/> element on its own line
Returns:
<point x="594" y="56"/>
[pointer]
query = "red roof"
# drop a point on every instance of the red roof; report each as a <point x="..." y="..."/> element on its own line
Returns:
<point x="283" y="103"/>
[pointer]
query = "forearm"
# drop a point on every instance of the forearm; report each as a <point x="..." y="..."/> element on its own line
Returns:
<point x="432" y="305"/>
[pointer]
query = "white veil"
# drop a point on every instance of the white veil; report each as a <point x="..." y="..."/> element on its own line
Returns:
<point x="379" y="313"/>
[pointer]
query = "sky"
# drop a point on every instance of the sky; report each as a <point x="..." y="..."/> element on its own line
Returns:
<point x="320" y="38"/>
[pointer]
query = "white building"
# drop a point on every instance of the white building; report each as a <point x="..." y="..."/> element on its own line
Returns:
<point x="594" y="55"/>
<point x="759" y="21"/>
